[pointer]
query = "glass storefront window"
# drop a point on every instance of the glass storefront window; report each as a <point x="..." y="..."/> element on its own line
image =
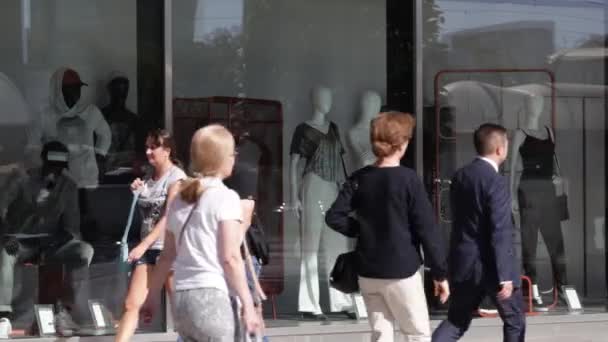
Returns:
<point x="297" y="82"/>
<point x="538" y="68"/>
<point x="70" y="90"/>
<point x="530" y="63"/>
<point x="278" y="73"/>
<point x="535" y="67"/>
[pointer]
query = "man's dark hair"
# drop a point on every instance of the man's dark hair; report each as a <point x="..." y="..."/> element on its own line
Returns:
<point x="486" y="137"/>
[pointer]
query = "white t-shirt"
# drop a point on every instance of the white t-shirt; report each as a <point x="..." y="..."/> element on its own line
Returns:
<point x="197" y="263"/>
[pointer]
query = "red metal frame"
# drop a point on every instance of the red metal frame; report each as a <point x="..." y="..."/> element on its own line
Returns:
<point x="436" y="172"/>
<point x="438" y="75"/>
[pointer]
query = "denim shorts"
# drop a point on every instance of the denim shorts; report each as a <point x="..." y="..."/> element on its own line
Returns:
<point x="149" y="258"/>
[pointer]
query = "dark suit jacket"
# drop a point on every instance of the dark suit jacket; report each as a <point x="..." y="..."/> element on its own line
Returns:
<point x="481" y="246"/>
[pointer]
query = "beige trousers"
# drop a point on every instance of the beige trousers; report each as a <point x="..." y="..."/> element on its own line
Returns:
<point x="400" y="301"/>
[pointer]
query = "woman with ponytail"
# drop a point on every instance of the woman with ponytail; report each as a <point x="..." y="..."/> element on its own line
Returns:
<point x="152" y="201"/>
<point x="206" y="226"/>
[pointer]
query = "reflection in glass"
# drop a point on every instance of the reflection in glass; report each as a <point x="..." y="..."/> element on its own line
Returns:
<point x="556" y="116"/>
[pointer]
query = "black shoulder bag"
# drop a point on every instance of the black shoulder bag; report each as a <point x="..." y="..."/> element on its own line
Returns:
<point x="344" y="276"/>
<point x="256" y="241"/>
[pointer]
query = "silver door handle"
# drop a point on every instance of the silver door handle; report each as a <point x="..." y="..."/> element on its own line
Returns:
<point x="442" y="181"/>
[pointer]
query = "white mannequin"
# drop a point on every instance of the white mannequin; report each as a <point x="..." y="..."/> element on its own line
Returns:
<point x="321" y="101"/>
<point x="311" y="195"/>
<point x="358" y="136"/>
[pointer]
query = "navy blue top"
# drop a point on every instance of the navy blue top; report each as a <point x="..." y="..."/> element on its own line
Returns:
<point x="393" y="219"/>
<point x="482" y="239"/>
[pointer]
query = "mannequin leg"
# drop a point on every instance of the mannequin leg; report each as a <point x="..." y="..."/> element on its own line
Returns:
<point x="7" y="268"/>
<point x="333" y="244"/>
<point x="554" y="239"/>
<point x="529" y="241"/>
<point x="311" y="229"/>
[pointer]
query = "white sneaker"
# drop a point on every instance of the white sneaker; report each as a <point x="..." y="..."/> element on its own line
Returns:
<point x="537" y="300"/>
<point x="487" y="312"/>
<point x="5" y="328"/>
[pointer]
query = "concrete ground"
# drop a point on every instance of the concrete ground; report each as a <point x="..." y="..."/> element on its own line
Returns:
<point x="587" y="327"/>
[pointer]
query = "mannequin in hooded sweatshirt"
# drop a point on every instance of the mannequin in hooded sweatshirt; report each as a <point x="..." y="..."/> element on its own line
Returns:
<point x="80" y="126"/>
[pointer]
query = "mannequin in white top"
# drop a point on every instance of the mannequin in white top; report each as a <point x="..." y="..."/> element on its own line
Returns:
<point x="533" y="194"/>
<point x="317" y="143"/>
<point x="358" y="136"/>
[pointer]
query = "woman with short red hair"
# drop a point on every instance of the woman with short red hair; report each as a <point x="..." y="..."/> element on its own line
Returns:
<point x="393" y="219"/>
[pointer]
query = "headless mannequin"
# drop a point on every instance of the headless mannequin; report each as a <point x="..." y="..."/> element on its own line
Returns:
<point x="312" y="194"/>
<point x="358" y="136"/>
<point x="322" y="101"/>
<point x="122" y="122"/>
<point x="533" y="199"/>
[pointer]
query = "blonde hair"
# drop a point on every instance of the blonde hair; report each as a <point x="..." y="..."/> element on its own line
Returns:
<point x="210" y="147"/>
<point x="390" y="130"/>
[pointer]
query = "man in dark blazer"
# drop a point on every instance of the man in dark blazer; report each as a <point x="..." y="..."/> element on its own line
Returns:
<point x="482" y="258"/>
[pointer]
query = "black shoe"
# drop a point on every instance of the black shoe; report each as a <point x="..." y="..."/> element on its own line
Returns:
<point x="349" y="314"/>
<point x="309" y="316"/>
<point x="561" y="298"/>
<point x="33" y="329"/>
<point x="64" y="323"/>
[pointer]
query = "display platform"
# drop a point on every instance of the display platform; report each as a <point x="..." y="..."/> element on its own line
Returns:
<point x="590" y="325"/>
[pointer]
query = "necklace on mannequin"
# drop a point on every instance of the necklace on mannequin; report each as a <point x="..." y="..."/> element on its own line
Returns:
<point x="319" y="122"/>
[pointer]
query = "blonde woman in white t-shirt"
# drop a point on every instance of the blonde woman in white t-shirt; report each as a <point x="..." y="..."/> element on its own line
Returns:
<point x="206" y="226"/>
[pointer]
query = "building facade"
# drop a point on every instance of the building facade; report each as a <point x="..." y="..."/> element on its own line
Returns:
<point x="268" y="68"/>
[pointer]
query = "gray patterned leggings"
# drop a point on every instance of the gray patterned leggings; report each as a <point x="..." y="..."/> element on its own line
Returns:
<point x="204" y="315"/>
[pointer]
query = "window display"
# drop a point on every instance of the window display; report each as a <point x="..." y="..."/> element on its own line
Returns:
<point x="551" y="98"/>
<point x="41" y="225"/>
<point x="297" y="83"/>
<point x="77" y="124"/>
<point x="59" y="223"/>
